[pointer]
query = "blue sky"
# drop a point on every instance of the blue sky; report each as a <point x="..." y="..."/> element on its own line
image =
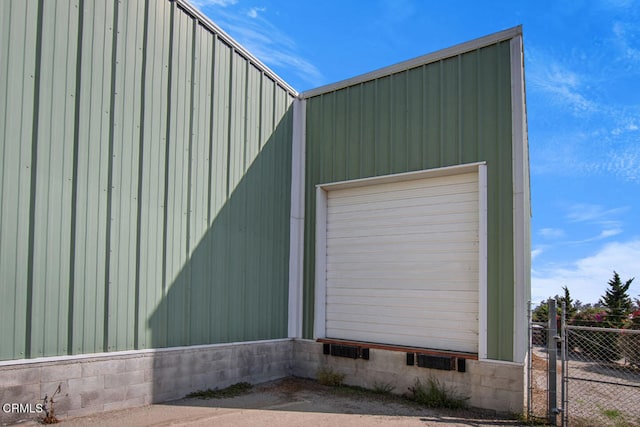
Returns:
<point x="582" y="67"/>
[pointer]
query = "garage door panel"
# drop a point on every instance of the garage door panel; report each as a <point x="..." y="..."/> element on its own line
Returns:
<point x="390" y="283"/>
<point x="414" y="326"/>
<point x="411" y="244"/>
<point x="409" y="329"/>
<point x="439" y="237"/>
<point x="452" y="313"/>
<point x="413" y="257"/>
<point x="424" y="184"/>
<point x="444" y="343"/>
<point x="435" y="275"/>
<point x="402" y="263"/>
<point x="371" y="216"/>
<point x="402" y="302"/>
<point x="390" y="211"/>
<point x="390" y="204"/>
<point x="419" y="210"/>
<point x="424" y="269"/>
<point x="470" y="296"/>
<point x="442" y="262"/>
<point x="400" y="229"/>
<point x="366" y="224"/>
<point x="337" y="199"/>
<point x="391" y="316"/>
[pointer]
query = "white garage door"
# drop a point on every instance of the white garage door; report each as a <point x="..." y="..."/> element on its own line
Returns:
<point x="402" y="263"/>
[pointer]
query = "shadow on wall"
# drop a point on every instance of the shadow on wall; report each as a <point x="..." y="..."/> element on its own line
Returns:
<point x="233" y="285"/>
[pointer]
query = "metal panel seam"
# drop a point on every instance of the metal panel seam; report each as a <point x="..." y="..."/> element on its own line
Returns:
<point x="107" y="255"/>
<point x="34" y="177"/>
<point x="166" y="167"/>
<point x="189" y="296"/>
<point x="143" y="72"/>
<point x="74" y="180"/>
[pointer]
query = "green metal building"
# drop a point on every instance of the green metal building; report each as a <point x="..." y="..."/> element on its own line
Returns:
<point x="161" y="188"/>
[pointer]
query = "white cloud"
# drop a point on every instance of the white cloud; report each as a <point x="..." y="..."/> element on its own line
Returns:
<point x="583" y="154"/>
<point x="536" y="252"/>
<point x="609" y="233"/>
<point x="551" y="233"/>
<point x="267" y="42"/>
<point x="599" y="120"/>
<point x="626" y="128"/>
<point x="587" y="278"/>
<point x="587" y="212"/>
<point x="562" y="85"/>
<point x="625" y="164"/>
<point x="604" y="234"/>
<point x="624" y="33"/>
<point x="254" y="11"/>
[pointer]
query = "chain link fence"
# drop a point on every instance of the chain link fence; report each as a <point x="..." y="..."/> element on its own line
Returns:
<point x="580" y="373"/>
<point x="602" y="377"/>
<point x="538" y="369"/>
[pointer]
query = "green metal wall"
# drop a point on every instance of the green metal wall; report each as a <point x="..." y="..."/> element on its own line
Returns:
<point x="144" y="181"/>
<point x="453" y="111"/>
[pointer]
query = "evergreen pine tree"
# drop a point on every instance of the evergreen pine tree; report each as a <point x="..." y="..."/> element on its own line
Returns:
<point x="568" y="303"/>
<point x="617" y="301"/>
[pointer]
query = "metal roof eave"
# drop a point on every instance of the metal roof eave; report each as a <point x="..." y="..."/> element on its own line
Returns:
<point x="419" y="61"/>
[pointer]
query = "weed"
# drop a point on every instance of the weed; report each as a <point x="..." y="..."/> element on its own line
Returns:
<point x="436" y="395"/>
<point x="50" y="413"/>
<point x="326" y="376"/>
<point x="225" y="393"/>
<point x="611" y="413"/>
<point x="525" y="419"/>
<point x="382" y="388"/>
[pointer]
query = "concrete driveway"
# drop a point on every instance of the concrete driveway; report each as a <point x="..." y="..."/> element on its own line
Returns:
<point x="292" y="402"/>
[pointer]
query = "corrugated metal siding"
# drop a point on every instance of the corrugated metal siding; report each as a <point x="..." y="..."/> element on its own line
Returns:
<point x="145" y="183"/>
<point x="18" y="45"/>
<point x="452" y="111"/>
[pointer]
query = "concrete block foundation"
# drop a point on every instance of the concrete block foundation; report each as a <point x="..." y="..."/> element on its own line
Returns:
<point x="488" y="384"/>
<point x="101" y="382"/>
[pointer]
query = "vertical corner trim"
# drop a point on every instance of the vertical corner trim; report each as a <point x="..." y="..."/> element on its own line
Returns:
<point x="482" y="261"/>
<point x="320" y="321"/>
<point x="296" y="235"/>
<point x="520" y="200"/>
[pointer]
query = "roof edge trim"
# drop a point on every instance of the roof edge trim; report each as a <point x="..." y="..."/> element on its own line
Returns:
<point x="209" y="24"/>
<point x="419" y="61"/>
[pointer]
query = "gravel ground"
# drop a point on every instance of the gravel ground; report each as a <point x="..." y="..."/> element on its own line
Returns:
<point x="293" y="402"/>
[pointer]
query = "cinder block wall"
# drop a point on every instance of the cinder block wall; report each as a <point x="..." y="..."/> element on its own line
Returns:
<point x="492" y="385"/>
<point x="96" y="383"/>
<point x="104" y="382"/>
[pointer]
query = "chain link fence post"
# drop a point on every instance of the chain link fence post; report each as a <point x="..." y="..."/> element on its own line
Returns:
<point x="530" y="363"/>
<point x="563" y="348"/>
<point x="552" y="351"/>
